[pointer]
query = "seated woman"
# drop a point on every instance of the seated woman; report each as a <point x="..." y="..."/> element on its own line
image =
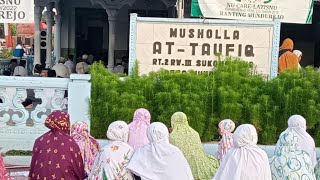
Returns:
<point x="244" y="161"/>
<point x="289" y="162"/>
<point x="55" y="154"/>
<point x="203" y="166"/>
<point x="138" y="127"/>
<point x="159" y="160"/>
<point x="89" y="147"/>
<point x="298" y="126"/>
<point x="113" y="158"/>
<point x="226" y="127"/>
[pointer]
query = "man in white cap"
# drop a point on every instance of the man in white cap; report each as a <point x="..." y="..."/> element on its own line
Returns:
<point x="62" y="71"/>
<point x="82" y="67"/>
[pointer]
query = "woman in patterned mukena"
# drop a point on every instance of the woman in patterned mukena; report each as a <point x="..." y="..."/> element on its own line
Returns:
<point x="203" y="166"/>
<point x="113" y="158"/>
<point x="55" y="154"/>
<point x="89" y="147"/>
<point x="290" y="162"/>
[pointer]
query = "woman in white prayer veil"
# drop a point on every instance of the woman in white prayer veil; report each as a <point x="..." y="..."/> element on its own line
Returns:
<point x="298" y="126"/>
<point x="159" y="160"/>
<point x="289" y="163"/>
<point x="244" y="161"/>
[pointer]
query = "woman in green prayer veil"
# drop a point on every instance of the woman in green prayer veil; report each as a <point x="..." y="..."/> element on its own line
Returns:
<point x="203" y="166"/>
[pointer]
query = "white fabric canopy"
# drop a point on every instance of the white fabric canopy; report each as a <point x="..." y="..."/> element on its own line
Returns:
<point x="159" y="160"/>
<point x="244" y="161"/>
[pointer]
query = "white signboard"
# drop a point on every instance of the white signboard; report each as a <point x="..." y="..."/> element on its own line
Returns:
<point x="290" y="11"/>
<point x="16" y="11"/>
<point x="193" y="45"/>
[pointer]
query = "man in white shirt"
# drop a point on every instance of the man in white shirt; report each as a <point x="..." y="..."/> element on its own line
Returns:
<point x="21" y="70"/>
<point x="61" y="69"/>
<point x="83" y="67"/>
<point x="69" y="63"/>
<point x="119" y="69"/>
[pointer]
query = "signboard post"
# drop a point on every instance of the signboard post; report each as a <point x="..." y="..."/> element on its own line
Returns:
<point x="16" y="11"/>
<point x="299" y="11"/>
<point x="192" y="44"/>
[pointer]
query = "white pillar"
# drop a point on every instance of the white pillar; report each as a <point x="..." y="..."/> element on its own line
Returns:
<point x="49" y="35"/>
<point x="180" y="8"/>
<point x="57" y="31"/>
<point x="78" y="101"/>
<point x="57" y="38"/>
<point x="112" y="16"/>
<point x="37" y="19"/>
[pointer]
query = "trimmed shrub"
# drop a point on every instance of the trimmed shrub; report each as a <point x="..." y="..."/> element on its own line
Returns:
<point x="231" y="91"/>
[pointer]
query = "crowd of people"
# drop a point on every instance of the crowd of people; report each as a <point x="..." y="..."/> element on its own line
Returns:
<point x="148" y="151"/>
<point x="62" y="69"/>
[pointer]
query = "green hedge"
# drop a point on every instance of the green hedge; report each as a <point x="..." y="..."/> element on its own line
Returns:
<point x="231" y="91"/>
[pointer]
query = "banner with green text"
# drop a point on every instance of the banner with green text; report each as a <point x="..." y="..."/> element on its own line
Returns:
<point x="289" y="11"/>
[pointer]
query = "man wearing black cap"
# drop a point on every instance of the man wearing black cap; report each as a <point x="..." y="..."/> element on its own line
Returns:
<point x="13" y="64"/>
<point x="27" y="103"/>
<point x="37" y="70"/>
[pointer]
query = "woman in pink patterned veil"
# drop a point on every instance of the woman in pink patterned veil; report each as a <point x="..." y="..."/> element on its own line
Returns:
<point x="226" y="127"/>
<point x="89" y="147"/>
<point x="138" y="128"/>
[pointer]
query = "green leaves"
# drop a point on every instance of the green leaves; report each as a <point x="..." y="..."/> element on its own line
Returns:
<point x="232" y="91"/>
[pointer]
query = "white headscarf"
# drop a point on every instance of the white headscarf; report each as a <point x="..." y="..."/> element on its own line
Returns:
<point x="289" y="162"/>
<point x="159" y="160"/>
<point x="297" y="53"/>
<point x="298" y="126"/>
<point x="244" y="161"/>
<point x="113" y="158"/>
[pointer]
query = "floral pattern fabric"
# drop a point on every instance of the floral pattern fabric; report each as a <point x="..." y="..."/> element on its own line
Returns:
<point x="289" y="163"/>
<point x="89" y="147"/>
<point x="298" y="126"/>
<point x="226" y="127"/>
<point x="112" y="160"/>
<point x="203" y="166"/>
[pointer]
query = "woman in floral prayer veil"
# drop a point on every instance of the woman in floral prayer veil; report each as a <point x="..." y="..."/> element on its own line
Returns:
<point x="226" y="127"/>
<point x="203" y="166"/>
<point x="55" y="154"/>
<point x="289" y="162"/>
<point x="298" y="126"/>
<point x="138" y="128"/>
<point x="112" y="160"/>
<point x="89" y="147"/>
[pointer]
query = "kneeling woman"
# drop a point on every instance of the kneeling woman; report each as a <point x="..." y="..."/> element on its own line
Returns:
<point x="244" y="161"/>
<point x="112" y="160"/>
<point x="159" y="160"/>
<point x="55" y="154"/>
<point x="289" y="162"/>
